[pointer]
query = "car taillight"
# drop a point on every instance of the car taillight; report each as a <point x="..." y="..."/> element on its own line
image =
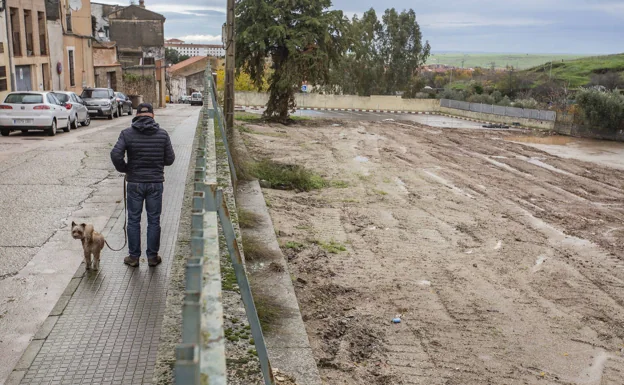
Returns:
<point x="41" y="107"/>
<point x="5" y="107"/>
<point x="68" y="106"/>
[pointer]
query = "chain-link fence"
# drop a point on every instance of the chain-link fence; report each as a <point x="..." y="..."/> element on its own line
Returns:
<point x="515" y="112"/>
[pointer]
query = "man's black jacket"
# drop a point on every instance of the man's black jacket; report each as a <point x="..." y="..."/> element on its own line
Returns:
<point x="149" y="150"/>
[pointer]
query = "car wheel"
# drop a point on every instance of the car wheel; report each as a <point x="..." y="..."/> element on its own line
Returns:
<point x="130" y="111"/>
<point x="5" y="132"/>
<point x="87" y="121"/>
<point x="52" y="129"/>
<point x="73" y="125"/>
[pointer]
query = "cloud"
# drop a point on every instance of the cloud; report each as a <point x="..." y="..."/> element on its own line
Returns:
<point x="467" y="20"/>
<point x="186" y="9"/>
<point x="206" y="39"/>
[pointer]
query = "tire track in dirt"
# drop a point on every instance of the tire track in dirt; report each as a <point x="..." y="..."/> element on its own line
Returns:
<point x="466" y="250"/>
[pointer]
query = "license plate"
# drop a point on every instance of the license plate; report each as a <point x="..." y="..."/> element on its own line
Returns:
<point x="92" y="110"/>
<point x="22" y="121"/>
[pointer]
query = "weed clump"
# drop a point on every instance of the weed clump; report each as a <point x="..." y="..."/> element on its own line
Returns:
<point x="248" y="219"/>
<point x="256" y="250"/>
<point x="287" y="176"/>
<point x="332" y="246"/>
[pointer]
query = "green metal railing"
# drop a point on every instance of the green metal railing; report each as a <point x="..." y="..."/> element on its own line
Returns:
<point x="200" y="358"/>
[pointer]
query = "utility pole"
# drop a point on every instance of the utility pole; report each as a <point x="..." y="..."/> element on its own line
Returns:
<point x="229" y="69"/>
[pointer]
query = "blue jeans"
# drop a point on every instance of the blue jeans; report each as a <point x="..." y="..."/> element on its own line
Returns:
<point x="151" y="194"/>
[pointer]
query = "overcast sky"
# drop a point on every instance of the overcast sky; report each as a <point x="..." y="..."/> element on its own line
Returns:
<point x="518" y="26"/>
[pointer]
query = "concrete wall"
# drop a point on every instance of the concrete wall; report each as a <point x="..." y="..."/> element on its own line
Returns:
<point x="386" y="103"/>
<point x="104" y="56"/>
<point x="57" y="53"/>
<point x="375" y="102"/>
<point x="195" y="82"/>
<point x="83" y="63"/>
<point x="137" y="33"/>
<point x="178" y="88"/>
<point x="146" y="85"/>
<point x="541" y="124"/>
<point x="4" y="57"/>
<point x="101" y="80"/>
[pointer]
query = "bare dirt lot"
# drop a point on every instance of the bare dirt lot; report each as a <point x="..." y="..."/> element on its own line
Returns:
<point x="504" y="263"/>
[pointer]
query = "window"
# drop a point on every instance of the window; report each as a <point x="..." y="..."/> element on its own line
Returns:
<point x="53" y="100"/>
<point x="68" y="20"/>
<point x="148" y="61"/>
<point x="15" y="29"/>
<point x="72" y="80"/>
<point x="43" y="46"/>
<point x="24" y="98"/>
<point x="1" y="47"/>
<point x="3" y="79"/>
<point x="28" y="30"/>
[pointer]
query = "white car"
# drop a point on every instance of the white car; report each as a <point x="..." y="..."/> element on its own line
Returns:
<point x="196" y="98"/>
<point x="78" y="112"/>
<point x="26" y="111"/>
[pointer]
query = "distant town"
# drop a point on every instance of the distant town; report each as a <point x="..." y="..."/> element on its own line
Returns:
<point x="70" y="45"/>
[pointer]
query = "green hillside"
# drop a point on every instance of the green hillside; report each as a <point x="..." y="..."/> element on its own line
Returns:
<point x="578" y="72"/>
<point x="499" y="60"/>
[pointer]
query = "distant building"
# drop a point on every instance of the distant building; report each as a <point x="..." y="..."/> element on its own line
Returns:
<point x="191" y="49"/>
<point x="71" y="54"/>
<point x="187" y="76"/>
<point x="106" y="66"/>
<point x="139" y="36"/>
<point x="27" y="46"/>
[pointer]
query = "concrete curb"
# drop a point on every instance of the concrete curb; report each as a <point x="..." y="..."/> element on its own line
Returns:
<point x="289" y="347"/>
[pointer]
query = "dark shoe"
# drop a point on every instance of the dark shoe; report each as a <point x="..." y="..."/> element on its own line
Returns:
<point x="154" y="261"/>
<point x="132" y="262"/>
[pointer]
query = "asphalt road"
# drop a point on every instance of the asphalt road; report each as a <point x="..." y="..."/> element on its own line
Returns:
<point x="45" y="182"/>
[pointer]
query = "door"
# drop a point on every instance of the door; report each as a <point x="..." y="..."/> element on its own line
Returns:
<point x="23" y="81"/>
<point x="61" y="113"/>
<point x="81" y="110"/>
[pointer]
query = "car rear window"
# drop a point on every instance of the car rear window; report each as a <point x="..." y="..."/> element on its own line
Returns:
<point x="24" y="99"/>
<point x="196" y="95"/>
<point x="95" y="94"/>
<point x="61" y="97"/>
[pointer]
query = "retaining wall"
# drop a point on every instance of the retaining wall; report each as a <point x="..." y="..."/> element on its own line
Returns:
<point x="374" y="102"/>
<point x="541" y="124"/>
<point x="386" y="103"/>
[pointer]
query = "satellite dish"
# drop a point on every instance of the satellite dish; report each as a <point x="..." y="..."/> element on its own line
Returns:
<point x="75" y="5"/>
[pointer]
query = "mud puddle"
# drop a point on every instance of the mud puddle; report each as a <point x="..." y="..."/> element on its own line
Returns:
<point x="604" y="152"/>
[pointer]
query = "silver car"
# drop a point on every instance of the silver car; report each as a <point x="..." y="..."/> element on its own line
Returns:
<point x="26" y="111"/>
<point x="78" y="112"/>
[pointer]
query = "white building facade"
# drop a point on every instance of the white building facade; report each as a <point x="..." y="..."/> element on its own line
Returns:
<point x="191" y="49"/>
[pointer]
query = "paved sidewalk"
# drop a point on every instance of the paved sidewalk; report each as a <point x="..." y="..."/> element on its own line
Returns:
<point x="109" y="330"/>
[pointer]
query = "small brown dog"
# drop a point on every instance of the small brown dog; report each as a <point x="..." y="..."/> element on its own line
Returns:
<point x="92" y="243"/>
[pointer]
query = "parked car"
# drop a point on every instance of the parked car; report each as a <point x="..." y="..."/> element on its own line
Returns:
<point x="28" y="111"/>
<point x="184" y="99"/>
<point x="196" y="98"/>
<point x="125" y="104"/>
<point x="78" y="112"/>
<point x="101" y="102"/>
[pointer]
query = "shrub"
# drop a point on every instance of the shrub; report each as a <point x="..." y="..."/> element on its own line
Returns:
<point x="287" y="176"/>
<point x="601" y="110"/>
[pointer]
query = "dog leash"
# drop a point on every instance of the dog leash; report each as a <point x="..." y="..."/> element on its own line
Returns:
<point x="125" y="218"/>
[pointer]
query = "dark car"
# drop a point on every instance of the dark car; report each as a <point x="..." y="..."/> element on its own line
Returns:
<point x="125" y="104"/>
<point x="101" y="102"/>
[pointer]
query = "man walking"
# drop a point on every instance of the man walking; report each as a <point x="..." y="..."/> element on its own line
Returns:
<point x="149" y="150"/>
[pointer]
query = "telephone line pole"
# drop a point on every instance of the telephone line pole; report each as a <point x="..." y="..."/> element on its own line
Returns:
<point x="230" y="64"/>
